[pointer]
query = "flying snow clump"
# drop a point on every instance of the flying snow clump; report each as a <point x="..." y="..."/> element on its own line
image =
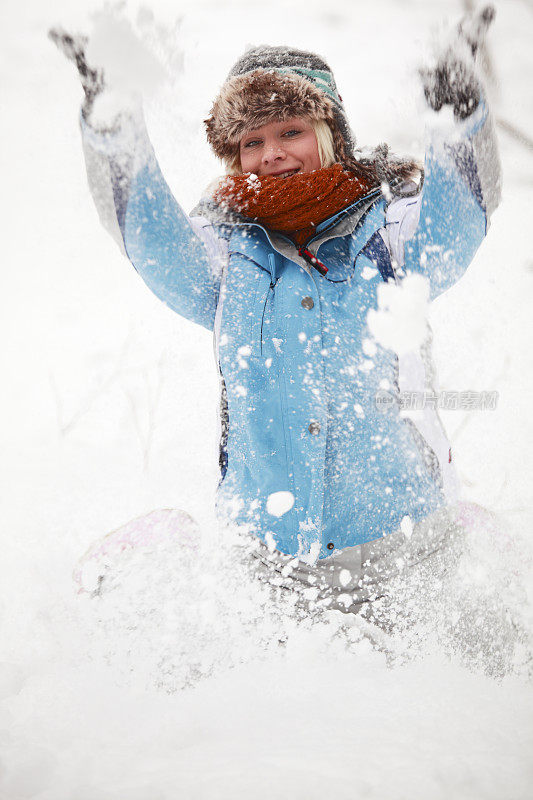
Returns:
<point x="278" y="503"/>
<point x="399" y="323"/>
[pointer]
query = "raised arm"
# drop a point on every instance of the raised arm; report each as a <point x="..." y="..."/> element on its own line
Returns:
<point x="176" y="257"/>
<point x="438" y="232"/>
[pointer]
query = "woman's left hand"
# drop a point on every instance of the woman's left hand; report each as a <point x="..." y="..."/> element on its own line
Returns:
<point x="453" y="81"/>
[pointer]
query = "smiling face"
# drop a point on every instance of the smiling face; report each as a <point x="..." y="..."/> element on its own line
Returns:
<point x="280" y="148"/>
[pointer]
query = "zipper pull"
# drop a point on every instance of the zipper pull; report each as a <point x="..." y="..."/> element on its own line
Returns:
<point x="304" y="253"/>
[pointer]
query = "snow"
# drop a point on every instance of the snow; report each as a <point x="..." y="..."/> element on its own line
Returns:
<point x="368" y="273"/>
<point x="183" y="678"/>
<point x="406" y="526"/>
<point x="345" y="577"/>
<point x="369" y="347"/>
<point x="243" y="353"/>
<point x="278" y="503"/>
<point x="132" y="55"/>
<point x="399" y="322"/>
<point x="253" y="182"/>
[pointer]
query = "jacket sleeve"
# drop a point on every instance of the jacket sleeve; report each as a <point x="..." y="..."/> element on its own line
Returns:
<point x="136" y="206"/>
<point x="437" y="233"/>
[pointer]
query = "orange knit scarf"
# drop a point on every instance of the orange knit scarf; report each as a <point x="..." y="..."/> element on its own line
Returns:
<point x="293" y="205"/>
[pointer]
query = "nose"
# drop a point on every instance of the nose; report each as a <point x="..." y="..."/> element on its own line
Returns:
<point x="272" y="151"/>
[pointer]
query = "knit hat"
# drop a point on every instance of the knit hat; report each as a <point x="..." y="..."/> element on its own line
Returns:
<point x="277" y="83"/>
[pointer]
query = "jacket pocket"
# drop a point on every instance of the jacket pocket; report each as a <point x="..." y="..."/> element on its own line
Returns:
<point x="251" y="297"/>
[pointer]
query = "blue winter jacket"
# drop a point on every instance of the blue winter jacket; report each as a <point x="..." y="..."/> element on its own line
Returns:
<point x="300" y="368"/>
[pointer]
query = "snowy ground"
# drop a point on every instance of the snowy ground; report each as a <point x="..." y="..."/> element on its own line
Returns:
<point x="109" y="411"/>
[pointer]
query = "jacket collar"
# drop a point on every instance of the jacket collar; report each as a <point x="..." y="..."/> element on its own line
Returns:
<point x="367" y="212"/>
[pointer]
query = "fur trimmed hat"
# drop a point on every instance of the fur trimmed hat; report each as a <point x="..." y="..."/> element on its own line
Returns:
<point x="277" y="83"/>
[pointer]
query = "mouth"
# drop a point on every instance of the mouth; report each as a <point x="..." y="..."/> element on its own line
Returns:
<point x="286" y="174"/>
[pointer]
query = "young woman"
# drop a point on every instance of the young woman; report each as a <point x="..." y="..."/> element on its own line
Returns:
<point x="284" y="261"/>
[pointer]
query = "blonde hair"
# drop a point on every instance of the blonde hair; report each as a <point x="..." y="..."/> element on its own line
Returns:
<point x="324" y="140"/>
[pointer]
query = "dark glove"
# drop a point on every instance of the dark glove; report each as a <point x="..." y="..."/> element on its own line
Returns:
<point x="453" y="81"/>
<point x="73" y="47"/>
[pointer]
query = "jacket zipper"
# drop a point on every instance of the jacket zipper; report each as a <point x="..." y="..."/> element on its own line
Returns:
<point x="270" y="288"/>
<point x="306" y="254"/>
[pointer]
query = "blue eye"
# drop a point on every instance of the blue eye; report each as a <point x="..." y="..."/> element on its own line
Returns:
<point x="252" y="143"/>
<point x="292" y="132"/>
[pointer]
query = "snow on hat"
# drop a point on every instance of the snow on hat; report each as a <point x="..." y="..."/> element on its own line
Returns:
<point x="277" y="83"/>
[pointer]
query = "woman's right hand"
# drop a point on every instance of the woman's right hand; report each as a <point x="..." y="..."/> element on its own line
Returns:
<point x="73" y="48"/>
